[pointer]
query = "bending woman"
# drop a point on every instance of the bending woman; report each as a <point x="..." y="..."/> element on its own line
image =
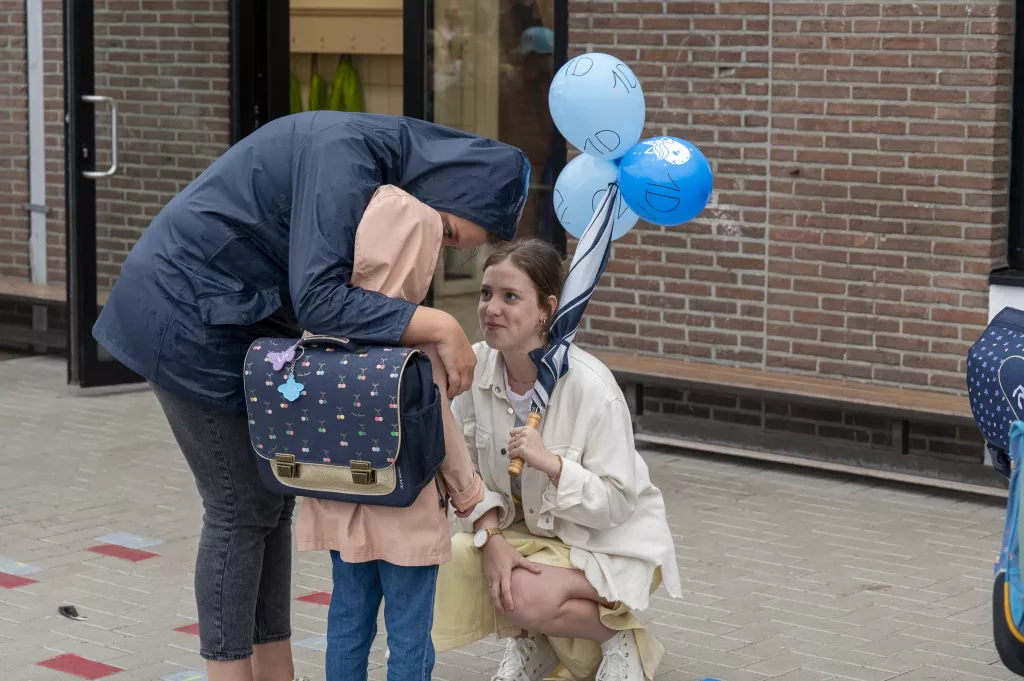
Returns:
<point x="567" y="552"/>
<point x="262" y="244"/>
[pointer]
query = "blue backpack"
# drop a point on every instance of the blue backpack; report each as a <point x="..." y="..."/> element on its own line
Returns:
<point x="995" y="383"/>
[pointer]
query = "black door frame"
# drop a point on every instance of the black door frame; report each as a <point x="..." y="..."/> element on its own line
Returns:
<point x="259" y="37"/>
<point x="85" y="368"/>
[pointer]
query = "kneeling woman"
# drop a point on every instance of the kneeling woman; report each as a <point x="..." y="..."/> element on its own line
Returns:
<point x="559" y="559"/>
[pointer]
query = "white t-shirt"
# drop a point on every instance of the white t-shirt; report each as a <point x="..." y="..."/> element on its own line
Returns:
<point x="521" y="406"/>
<point x="520" y="403"/>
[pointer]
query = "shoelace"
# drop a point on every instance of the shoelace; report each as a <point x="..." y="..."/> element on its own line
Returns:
<point x="614" y="666"/>
<point x="517" y="652"/>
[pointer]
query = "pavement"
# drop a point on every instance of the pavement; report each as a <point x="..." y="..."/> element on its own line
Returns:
<point x="787" y="574"/>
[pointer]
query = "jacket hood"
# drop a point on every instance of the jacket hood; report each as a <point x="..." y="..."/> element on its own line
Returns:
<point x="472" y="177"/>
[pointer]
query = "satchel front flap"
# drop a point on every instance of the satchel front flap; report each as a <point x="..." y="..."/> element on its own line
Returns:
<point x="347" y="408"/>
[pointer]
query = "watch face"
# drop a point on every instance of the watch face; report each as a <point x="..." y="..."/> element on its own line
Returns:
<point x="480" y="538"/>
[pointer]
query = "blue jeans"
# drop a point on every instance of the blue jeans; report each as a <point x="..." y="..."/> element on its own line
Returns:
<point x="408" y="594"/>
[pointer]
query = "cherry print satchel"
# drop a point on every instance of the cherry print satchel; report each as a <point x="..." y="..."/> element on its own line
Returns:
<point x="333" y="420"/>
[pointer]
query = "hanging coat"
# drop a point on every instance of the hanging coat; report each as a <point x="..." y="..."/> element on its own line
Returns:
<point x="262" y="243"/>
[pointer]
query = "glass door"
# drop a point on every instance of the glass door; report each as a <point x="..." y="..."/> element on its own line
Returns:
<point x="90" y="167"/>
<point x="486" y="70"/>
<point x="147" y="108"/>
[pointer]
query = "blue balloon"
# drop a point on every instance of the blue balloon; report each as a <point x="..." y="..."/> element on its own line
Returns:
<point x="578" y="191"/>
<point x="665" y="180"/>
<point x="598" y="105"/>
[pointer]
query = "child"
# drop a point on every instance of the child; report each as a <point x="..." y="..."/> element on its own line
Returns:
<point x="377" y="551"/>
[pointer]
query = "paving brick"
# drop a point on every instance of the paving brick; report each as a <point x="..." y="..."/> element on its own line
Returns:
<point x="890" y="645"/>
<point x="14" y="581"/>
<point x="929" y="674"/>
<point x="79" y="666"/>
<point x="768" y="647"/>
<point x="780" y="664"/>
<point x="185" y="675"/>
<point x="850" y="671"/>
<point x="982" y="655"/>
<point x="808" y="596"/>
<point x="837" y="653"/>
<point x="905" y="661"/>
<point x="318" y="598"/>
<point x="803" y="675"/>
<point x="696" y="624"/>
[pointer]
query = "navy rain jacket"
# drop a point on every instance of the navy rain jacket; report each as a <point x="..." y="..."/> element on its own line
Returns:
<point x="261" y="244"/>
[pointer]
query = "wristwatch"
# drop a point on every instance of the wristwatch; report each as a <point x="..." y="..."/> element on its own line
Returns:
<point x="481" y="537"/>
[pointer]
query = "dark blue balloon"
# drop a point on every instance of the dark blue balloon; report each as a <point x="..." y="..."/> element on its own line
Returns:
<point x="665" y="180"/>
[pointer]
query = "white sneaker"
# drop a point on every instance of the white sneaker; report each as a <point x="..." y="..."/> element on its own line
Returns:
<point x="621" y="659"/>
<point x="527" y="659"/>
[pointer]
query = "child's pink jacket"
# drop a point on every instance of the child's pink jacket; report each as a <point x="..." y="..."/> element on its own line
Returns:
<point x="397" y="244"/>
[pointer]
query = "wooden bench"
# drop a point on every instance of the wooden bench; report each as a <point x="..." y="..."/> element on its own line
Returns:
<point x="902" y="406"/>
<point x="39" y="296"/>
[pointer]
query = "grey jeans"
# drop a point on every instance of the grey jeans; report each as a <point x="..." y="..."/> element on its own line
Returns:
<point x="243" y="568"/>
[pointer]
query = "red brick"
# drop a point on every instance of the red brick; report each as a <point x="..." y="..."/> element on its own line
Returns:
<point x="79" y="666"/>
<point x="131" y="555"/>
<point x="316" y="597"/>
<point x="14" y="581"/>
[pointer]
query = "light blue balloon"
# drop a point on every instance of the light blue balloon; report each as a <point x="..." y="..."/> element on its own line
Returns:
<point x="598" y="105"/>
<point x="578" y="191"/>
<point x="665" y="180"/>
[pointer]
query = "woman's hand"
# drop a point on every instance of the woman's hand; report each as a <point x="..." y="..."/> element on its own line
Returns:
<point x="429" y="326"/>
<point x="526" y="443"/>
<point x="499" y="561"/>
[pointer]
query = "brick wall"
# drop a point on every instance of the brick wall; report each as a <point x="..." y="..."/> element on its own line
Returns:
<point x="14" y="220"/>
<point x="166" y="65"/>
<point x="860" y="155"/>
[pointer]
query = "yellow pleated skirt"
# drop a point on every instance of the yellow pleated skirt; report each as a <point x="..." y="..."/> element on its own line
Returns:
<point x="464" y="613"/>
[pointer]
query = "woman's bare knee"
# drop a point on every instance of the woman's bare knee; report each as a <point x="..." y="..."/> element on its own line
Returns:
<point x="533" y="606"/>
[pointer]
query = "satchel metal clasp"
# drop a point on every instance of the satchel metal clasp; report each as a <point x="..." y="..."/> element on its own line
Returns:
<point x="286" y="466"/>
<point x="362" y="473"/>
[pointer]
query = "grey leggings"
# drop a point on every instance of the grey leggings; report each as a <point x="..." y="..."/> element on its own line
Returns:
<point x="243" y="568"/>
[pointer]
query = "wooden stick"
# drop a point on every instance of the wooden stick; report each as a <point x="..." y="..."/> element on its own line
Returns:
<point x="515" y="467"/>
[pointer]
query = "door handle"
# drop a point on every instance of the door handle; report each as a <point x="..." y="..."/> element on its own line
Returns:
<point x="95" y="174"/>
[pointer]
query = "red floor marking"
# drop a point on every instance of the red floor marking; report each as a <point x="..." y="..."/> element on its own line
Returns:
<point x="318" y="597"/>
<point x="114" y="551"/>
<point x="189" y="629"/>
<point x="79" y="666"/>
<point x="14" y="581"/>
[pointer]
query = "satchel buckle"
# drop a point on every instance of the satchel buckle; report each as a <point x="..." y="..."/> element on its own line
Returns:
<point x="362" y="473"/>
<point x="286" y="466"/>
